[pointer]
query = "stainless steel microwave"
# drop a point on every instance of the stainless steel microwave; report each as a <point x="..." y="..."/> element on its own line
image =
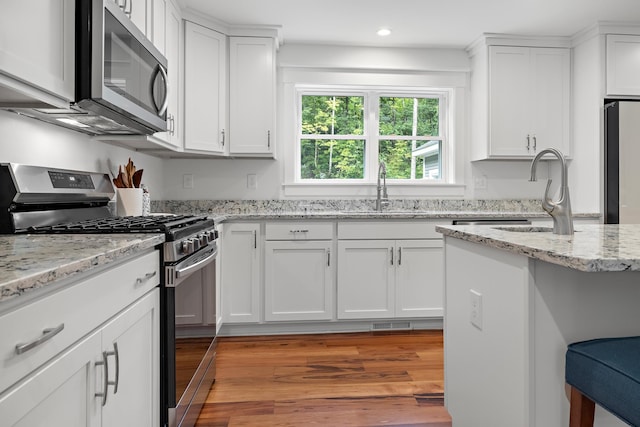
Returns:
<point x="121" y="80"/>
<point x="120" y="75"/>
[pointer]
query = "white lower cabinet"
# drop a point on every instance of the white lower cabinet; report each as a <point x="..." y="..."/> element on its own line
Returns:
<point x="69" y="390"/>
<point x="299" y="280"/>
<point x="60" y="394"/>
<point x="109" y="375"/>
<point x="366" y="279"/>
<point x="133" y="338"/>
<point x="419" y="278"/>
<point x="327" y="271"/>
<point x="241" y="246"/>
<point x="389" y="278"/>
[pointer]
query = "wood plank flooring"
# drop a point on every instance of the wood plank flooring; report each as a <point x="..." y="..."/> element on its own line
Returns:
<point x="351" y="380"/>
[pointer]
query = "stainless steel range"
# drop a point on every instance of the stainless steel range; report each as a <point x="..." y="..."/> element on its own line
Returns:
<point x="43" y="200"/>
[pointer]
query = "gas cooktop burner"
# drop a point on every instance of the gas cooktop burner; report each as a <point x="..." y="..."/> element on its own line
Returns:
<point x="172" y="226"/>
<point x="127" y="224"/>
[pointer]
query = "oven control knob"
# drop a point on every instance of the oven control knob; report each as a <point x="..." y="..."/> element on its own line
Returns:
<point x="187" y="246"/>
<point x="204" y="239"/>
<point x="196" y="243"/>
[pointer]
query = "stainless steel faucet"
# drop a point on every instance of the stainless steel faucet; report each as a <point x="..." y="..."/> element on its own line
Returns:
<point x="382" y="198"/>
<point x="559" y="210"/>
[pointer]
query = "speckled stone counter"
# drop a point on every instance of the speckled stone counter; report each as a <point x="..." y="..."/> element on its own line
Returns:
<point x="401" y="209"/>
<point x="592" y="248"/>
<point x="30" y="262"/>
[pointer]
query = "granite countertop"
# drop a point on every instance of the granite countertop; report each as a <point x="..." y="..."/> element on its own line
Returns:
<point x="592" y="248"/>
<point x="29" y="262"/>
<point x="372" y="215"/>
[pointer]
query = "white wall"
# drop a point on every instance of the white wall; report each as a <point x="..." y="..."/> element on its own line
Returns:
<point x="28" y="141"/>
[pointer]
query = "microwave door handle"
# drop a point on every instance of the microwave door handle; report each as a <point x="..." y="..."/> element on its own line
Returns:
<point x="165" y="103"/>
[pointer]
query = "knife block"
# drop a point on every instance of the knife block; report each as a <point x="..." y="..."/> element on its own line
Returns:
<point x="129" y="201"/>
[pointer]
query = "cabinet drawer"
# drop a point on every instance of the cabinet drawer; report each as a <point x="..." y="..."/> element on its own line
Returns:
<point x="389" y="230"/>
<point x="75" y="310"/>
<point x="299" y="231"/>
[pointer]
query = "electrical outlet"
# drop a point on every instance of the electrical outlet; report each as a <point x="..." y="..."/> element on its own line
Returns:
<point x="252" y="181"/>
<point x="480" y="182"/>
<point x="187" y="180"/>
<point x="475" y="316"/>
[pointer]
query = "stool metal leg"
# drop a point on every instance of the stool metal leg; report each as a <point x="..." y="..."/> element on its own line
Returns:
<point x="582" y="410"/>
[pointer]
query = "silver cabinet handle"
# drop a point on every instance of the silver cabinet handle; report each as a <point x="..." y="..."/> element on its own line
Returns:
<point x="400" y="255"/>
<point x="391" y="256"/>
<point x="106" y="383"/>
<point x="47" y="334"/>
<point x="172" y="127"/>
<point x="146" y="277"/>
<point x="528" y="142"/>
<point x="535" y="143"/>
<point x="223" y="137"/>
<point x="299" y="231"/>
<point x="255" y="240"/>
<point x="128" y="11"/>
<point x="328" y="258"/>
<point x="268" y="139"/>
<point x="117" y="357"/>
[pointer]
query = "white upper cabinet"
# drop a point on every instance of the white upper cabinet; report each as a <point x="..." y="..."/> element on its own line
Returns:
<point x="37" y="49"/>
<point x="520" y="101"/>
<point x="623" y="65"/>
<point x="205" y="82"/>
<point x="167" y="22"/>
<point x="252" y="81"/>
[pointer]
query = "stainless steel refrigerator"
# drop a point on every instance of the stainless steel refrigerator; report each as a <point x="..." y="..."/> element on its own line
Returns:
<point x="622" y="162"/>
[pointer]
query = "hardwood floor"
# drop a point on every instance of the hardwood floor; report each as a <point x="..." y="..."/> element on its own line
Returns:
<point x="363" y="379"/>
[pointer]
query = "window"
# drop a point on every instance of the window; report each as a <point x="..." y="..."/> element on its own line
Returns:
<point x="343" y="135"/>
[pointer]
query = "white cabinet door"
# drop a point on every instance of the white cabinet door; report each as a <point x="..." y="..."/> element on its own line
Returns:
<point x="298" y="280"/>
<point x="37" y="44"/>
<point x="139" y="11"/>
<point x="509" y="109"/>
<point x="419" y="278"/>
<point x="205" y="82"/>
<point x="134" y="338"/>
<point x="252" y="96"/>
<point x="550" y="99"/>
<point x="529" y="101"/>
<point x="67" y="390"/>
<point x="366" y="287"/>
<point x="241" y="273"/>
<point x="623" y="65"/>
<point x="166" y="37"/>
<point x="60" y="394"/>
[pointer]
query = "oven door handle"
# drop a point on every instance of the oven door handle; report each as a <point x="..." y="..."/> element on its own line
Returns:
<point x="183" y="272"/>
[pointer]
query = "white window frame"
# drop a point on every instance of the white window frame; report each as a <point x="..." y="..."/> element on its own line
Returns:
<point x="371" y="127"/>
<point x="294" y="79"/>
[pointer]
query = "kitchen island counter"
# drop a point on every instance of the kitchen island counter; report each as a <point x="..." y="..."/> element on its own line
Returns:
<point x="592" y="248"/>
<point x="29" y="262"/>
<point x="515" y="300"/>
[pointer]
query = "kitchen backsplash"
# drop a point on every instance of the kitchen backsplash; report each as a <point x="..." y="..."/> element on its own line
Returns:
<point x="231" y="207"/>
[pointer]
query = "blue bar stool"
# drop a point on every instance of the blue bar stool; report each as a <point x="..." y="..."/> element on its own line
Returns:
<point x="605" y="371"/>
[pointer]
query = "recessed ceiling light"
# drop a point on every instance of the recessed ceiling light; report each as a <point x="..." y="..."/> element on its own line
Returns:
<point x="384" y="32"/>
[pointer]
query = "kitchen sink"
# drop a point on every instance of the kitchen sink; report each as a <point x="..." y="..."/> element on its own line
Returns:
<point x="526" y="229"/>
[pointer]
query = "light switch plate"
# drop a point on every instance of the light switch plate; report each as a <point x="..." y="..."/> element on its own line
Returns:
<point x="475" y="316"/>
<point x="187" y="180"/>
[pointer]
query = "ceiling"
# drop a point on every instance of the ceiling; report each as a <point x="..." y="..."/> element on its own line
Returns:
<point x="416" y="23"/>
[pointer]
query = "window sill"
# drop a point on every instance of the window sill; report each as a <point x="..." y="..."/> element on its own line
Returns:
<point x="395" y="190"/>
